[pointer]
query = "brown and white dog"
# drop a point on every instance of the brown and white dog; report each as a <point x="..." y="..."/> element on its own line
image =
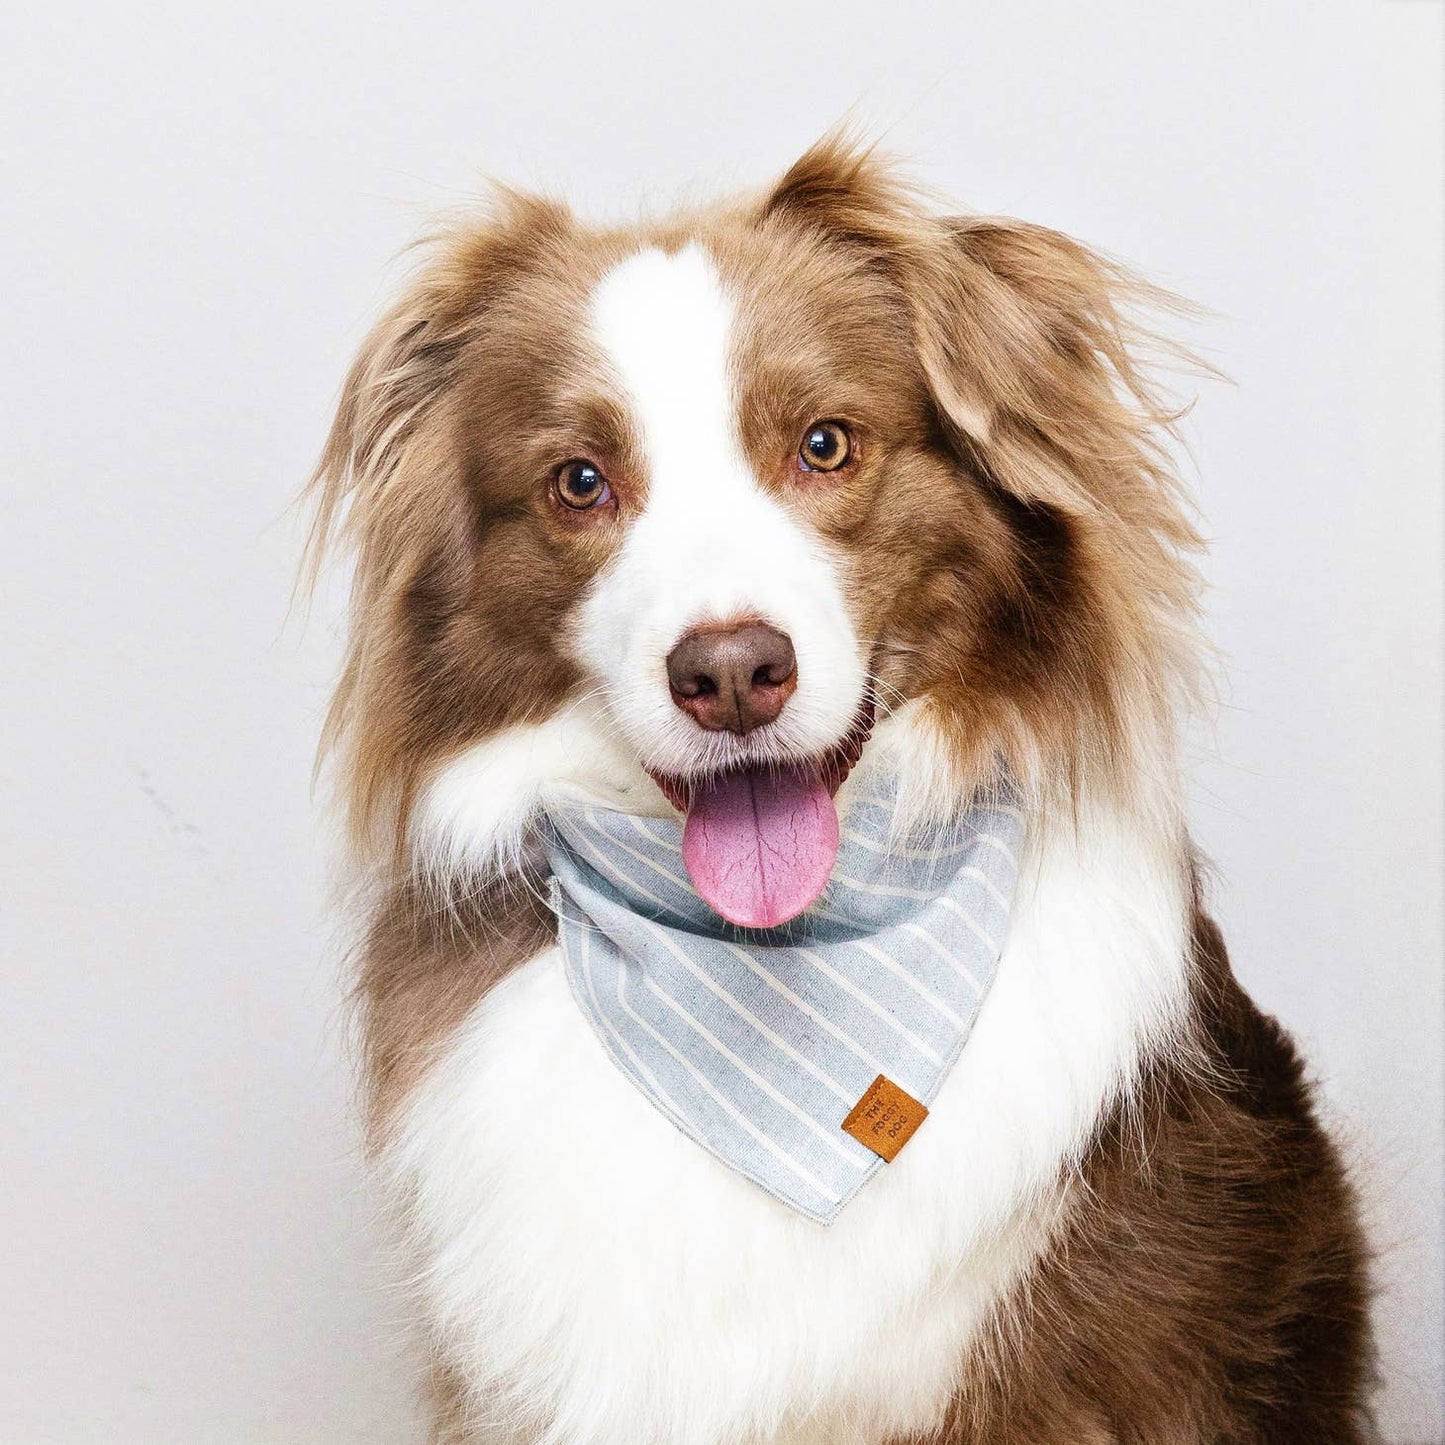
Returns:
<point x="868" y="455"/>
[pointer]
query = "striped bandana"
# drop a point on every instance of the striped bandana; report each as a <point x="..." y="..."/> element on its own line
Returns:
<point x="780" y="1050"/>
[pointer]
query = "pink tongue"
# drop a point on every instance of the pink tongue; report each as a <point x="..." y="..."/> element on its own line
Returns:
<point x="759" y="846"/>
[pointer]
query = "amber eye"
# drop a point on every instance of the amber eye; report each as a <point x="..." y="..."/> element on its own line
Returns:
<point x="825" y="447"/>
<point x="580" y="486"/>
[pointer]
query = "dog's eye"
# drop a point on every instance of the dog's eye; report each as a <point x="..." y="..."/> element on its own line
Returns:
<point x="579" y="485"/>
<point x="825" y="447"/>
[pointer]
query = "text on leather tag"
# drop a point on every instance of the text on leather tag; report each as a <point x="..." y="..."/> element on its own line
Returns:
<point x="885" y="1118"/>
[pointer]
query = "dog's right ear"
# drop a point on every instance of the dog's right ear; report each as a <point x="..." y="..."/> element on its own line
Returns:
<point x="400" y="371"/>
<point x="390" y="485"/>
<point x="402" y="376"/>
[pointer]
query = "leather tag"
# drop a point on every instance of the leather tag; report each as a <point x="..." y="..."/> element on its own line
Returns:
<point x="885" y="1118"/>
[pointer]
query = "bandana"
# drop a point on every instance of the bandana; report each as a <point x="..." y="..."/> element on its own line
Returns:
<point x="802" y="1056"/>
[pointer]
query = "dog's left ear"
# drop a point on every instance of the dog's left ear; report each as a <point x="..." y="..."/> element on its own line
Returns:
<point x="376" y="462"/>
<point x="1031" y="351"/>
<point x="1026" y="338"/>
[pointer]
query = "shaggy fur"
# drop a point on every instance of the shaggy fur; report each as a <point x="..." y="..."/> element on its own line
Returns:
<point x="1010" y="544"/>
<point x="1207" y="1286"/>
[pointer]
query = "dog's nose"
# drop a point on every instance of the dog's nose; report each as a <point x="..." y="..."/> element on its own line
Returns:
<point x="733" y="678"/>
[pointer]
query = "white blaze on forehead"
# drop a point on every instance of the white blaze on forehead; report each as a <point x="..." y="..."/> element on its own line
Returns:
<point x="709" y="543"/>
<point x="666" y="325"/>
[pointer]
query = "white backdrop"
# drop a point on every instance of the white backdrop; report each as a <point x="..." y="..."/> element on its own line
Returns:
<point x="202" y="200"/>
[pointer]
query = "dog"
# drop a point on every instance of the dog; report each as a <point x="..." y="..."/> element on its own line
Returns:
<point x="728" y="527"/>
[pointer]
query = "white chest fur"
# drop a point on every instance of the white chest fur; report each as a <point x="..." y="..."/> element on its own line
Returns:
<point x="601" y="1280"/>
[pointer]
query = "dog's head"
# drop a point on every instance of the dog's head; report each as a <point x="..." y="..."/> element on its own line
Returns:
<point x="674" y="512"/>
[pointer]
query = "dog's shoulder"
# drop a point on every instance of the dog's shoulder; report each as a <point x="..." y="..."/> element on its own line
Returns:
<point x="1210" y="1283"/>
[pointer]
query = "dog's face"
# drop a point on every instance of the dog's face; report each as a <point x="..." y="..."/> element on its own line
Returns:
<point x="725" y="628"/>
<point x="718" y="491"/>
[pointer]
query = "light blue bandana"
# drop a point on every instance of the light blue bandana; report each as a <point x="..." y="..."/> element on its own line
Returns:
<point x="759" y="1044"/>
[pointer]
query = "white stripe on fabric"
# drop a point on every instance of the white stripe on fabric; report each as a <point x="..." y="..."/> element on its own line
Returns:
<point x="950" y="958"/>
<point x="916" y="984"/>
<point x="726" y="1104"/>
<point x="890" y="850"/>
<point x="969" y="921"/>
<point x="620" y="877"/>
<point x="872" y="1005"/>
<point x="884" y="890"/>
<point x="643" y="826"/>
<point x="748" y="1072"/>
<point x="993" y="841"/>
<point x="987" y="882"/>
<point x="775" y="1039"/>
<point x="621" y="1042"/>
<point x="827" y="1023"/>
<point x="923" y="895"/>
<point x="652" y="863"/>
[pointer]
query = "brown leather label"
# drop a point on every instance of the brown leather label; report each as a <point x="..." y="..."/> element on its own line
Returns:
<point x="885" y="1118"/>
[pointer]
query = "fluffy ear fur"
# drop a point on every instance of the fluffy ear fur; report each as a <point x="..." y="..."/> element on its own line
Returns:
<point x="1029" y="340"/>
<point x="1035" y="359"/>
<point x="390" y="484"/>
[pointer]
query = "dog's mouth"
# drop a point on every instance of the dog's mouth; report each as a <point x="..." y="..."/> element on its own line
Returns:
<point x="759" y="842"/>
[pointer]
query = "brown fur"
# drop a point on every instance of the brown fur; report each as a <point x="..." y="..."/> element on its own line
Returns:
<point x="1013" y="537"/>
<point x="425" y="965"/>
<point x="1208" y="1286"/>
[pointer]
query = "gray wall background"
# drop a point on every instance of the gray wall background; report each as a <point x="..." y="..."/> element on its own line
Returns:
<point x="201" y="203"/>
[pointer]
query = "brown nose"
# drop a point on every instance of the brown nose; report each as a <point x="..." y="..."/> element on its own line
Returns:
<point x="733" y="678"/>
